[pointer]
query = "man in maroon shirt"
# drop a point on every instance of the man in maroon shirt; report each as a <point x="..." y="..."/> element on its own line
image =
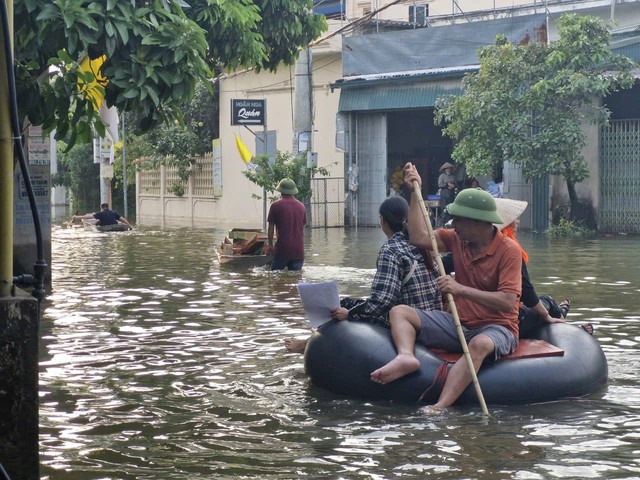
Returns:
<point x="287" y="216"/>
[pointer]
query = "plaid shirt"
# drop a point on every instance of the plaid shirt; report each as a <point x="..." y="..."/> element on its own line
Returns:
<point x="395" y="259"/>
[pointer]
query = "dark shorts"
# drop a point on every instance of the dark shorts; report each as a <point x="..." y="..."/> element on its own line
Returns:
<point x="279" y="263"/>
<point x="438" y="330"/>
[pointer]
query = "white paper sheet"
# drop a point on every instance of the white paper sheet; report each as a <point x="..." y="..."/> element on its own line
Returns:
<point x="318" y="299"/>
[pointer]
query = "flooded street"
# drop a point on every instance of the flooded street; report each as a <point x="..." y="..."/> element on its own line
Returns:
<point x="158" y="363"/>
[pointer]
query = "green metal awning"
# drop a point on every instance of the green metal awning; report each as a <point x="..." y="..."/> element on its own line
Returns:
<point x="394" y="96"/>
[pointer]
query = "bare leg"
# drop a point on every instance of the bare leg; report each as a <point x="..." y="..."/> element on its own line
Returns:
<point x="295" y="345"/>
<point x="459" y="377"/>
<point x="405" y="325"/>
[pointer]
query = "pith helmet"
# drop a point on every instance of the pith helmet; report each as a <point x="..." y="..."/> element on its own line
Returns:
<point x="287" y="186"/>
<point x="476" y="204"/>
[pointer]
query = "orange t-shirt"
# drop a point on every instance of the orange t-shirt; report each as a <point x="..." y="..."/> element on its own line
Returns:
<point x="497" y="269"/>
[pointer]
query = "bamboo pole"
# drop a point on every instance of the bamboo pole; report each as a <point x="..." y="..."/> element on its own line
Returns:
<point x="454" y="311"/>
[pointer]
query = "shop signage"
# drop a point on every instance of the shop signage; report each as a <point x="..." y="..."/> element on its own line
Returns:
<point x="248" y="112"/>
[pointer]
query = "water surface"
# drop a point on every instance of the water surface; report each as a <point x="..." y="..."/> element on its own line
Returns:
<point x="157" y="363"/>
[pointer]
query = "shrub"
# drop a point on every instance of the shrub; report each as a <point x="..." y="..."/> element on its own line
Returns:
<point x="267" y="174"/>
<point x="569" y="228"/>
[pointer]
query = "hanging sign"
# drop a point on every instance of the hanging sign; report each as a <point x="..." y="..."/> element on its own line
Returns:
<point x="248" y="112"/>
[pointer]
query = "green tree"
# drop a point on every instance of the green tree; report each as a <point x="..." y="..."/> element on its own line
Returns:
<point x="267" y="174"/>
<point x="156" y="52"/>
<point x="174" y="143"/>
<point x="80" y="176"/>
<point x="528" y="103"/>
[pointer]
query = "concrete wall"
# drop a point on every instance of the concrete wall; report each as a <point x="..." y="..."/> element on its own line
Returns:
<point x="19" y="386"/>
<point x="38" y="154"/>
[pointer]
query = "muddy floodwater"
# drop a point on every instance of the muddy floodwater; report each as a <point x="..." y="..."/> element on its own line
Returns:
<point x="158" y="363"/>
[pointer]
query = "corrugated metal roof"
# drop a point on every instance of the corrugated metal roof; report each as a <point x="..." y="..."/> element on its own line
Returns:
<point x="381" y="97"/>
<point x="421" y="88"/>
<point x="428" y="48"/>
<point x="632" y="51"/>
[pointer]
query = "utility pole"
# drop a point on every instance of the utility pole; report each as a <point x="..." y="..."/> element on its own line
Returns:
<point x="303" y="104"/>
<point x="124" y="170"/>
<point x="303" y="114"/>
<point x="6" y="169"/>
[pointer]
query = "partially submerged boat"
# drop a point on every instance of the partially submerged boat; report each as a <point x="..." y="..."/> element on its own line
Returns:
<point x="559" y="361"/>
<point x="91" y="225"/>
<point x="243" y="247"/>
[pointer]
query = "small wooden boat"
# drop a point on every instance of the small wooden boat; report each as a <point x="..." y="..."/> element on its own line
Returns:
<point x="559" y="361"/>
<point x="90" y="224"/>
<point x="243" y="248"/>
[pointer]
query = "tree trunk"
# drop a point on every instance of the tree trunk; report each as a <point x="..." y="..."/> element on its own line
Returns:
<point x="580" y="212"/>
<point x="573" y="199"/>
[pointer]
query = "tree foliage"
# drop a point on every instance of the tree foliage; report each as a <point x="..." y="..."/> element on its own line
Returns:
<point x="79" y="175"/>
<point x="267" y="174"/>
<point x="175" y="143"/>
<point x="528" y="103"/>
<point x="156" y="53"/>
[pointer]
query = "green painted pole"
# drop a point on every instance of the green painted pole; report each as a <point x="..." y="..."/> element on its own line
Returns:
<point x="6" y="171"/>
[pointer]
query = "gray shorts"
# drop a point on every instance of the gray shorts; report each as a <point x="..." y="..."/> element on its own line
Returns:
<point x="438" y="330"/>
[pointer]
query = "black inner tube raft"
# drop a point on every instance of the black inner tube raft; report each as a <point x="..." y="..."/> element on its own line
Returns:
<point x="341" y="355"/>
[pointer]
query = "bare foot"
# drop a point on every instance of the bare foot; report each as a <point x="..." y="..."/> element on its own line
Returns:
<point x="587" y="327"/>
<point x="400" y="366"/>
<point x="295" y="345"/>
<point x="432" y="410"/>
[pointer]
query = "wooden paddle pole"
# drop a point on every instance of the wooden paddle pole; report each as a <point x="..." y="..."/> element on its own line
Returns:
<point x="72" y="219"/>
<point x="452" y="305"/>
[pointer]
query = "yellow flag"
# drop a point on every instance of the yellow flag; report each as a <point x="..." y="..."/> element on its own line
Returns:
<point x="243" y="150"/>
<point x="93" y="90"/>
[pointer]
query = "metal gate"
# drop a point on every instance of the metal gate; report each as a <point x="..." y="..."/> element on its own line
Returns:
<point x="370" y="147"/>
<point x="536" y="217"/>
<point x="619" y="209"/>
<point x="327" y="202"/>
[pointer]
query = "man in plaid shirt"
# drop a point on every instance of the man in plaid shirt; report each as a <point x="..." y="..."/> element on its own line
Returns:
<point x="402" y="277"/>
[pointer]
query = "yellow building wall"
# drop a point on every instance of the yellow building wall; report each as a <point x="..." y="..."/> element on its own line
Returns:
<point x="237" y="205"/>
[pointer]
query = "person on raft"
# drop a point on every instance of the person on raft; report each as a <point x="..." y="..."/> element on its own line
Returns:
<point x="402" y="276"/>
<point x="104" y="217"/>
<point x="486" y="289"/>
<point x="534" y="310"/>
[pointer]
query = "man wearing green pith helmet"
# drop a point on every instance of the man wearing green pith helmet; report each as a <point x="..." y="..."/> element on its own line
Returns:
<point x="486" y="289"/>
<point x="287" y="218"/>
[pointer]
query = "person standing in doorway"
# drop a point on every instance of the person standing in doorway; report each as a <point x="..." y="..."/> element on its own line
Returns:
<point x="446" y="189"/>
<point x="287" y="218"/>
<point x="105" y="216"/>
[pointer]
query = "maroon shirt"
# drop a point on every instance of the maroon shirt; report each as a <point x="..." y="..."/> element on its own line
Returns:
<point x="289" y="217"/>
